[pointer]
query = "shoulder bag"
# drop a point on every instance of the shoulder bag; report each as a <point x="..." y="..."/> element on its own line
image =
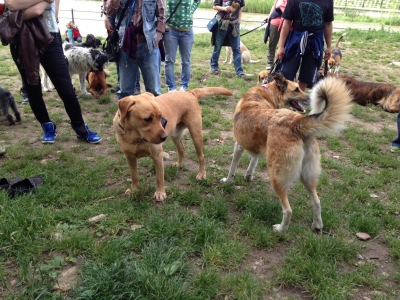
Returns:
<point x="111" y="45"/>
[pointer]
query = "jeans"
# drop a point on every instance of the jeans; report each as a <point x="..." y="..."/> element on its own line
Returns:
<point x="149" y="65"/>
<point x="172" y="40"/>
<point x="56" y="66"/>
<point x="396" y="142"/>
<point x="235" y="45"/>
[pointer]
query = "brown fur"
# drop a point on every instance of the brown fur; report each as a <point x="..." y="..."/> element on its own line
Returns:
<point x="140" y="133"/>
<point x="335" y="61"/>
<point x="262" y="76"/>
<point x="97" y="82"/>
<point x="286" y="138"/>
<point x="244" y="51"/>
<point x="384" y="95"/>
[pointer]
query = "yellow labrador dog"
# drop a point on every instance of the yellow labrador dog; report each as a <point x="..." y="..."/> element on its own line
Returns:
<point x="142" y="123"/>
<point x="287" y="138"/>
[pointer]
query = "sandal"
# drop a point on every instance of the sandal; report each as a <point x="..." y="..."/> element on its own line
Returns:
<point x="25" y="186"/>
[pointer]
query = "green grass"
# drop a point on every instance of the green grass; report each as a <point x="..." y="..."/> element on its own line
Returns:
<point x="207" y="240"/>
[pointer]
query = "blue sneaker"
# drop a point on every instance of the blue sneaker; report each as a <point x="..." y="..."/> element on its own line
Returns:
<point x="91" y="137"/>
<point x="49" y="133"/>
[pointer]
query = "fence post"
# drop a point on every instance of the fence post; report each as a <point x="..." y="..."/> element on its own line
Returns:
<point x="72" y="15"/>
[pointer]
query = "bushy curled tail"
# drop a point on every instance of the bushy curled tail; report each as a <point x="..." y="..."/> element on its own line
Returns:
<point x="210" y="91"/>
<point x="331" y="103"/>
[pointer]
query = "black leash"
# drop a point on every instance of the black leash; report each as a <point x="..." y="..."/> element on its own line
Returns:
<point x="262" y="24"/>
<point x="326" y="66"/>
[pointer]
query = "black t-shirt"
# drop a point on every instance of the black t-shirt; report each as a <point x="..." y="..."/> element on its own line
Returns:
<point x="234" y="14"/>
<point x="309" y="15"/>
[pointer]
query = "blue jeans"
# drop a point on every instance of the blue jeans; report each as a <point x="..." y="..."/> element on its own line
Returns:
<point x="185" y="40"/>
<point x="396" y="142"/>
<point x="149" y="65"/>
<point x="235" y="45"/>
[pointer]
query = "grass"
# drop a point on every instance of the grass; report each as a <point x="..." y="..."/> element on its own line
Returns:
<point x="208" y="240"/>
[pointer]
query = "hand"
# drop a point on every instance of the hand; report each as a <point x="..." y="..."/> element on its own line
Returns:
<point x="328" y="53"/>
<point x="108" y="25"/>
<point x="228" y="8"/>
<point x="280" y="54"/>
<point x="158" y="38"/>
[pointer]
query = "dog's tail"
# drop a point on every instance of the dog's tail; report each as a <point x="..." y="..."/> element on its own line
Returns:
<point x="210" y="91"/>
<point x="331" y="103"/>
<point x="337" y="43"/>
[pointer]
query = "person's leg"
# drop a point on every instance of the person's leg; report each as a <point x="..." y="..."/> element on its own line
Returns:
<point x="216" y="52"/>
<point x="289" y="67"/>
<point x="396" y="142"/>
<point x="149" y="64"/>
<point x="273" y="42"/>
<point x="186" y="40"/>
<point x="128" y="70"/>
<point x="56" y="67"/>
<point x="171" y="40"/>
<point x="308" y="69"/>
<point x="235" y="45"/>
<point x="137" y="85"/>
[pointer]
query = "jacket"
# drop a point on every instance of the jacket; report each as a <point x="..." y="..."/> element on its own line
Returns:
<point x="34" y="35"/>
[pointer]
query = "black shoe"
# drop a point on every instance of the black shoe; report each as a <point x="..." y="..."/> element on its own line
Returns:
<point x="115" y="89"/>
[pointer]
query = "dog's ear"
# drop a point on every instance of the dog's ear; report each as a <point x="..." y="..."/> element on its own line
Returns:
<point x="124" y="104"/>
<point x="281" y="81"/>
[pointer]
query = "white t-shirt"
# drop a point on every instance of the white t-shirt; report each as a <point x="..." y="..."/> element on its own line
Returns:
<point x="49" y="15"/>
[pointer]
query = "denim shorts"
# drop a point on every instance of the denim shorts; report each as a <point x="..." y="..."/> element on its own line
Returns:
<point x="308" y="67"/>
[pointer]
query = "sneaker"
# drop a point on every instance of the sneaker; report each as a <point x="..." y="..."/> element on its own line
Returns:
<point x="215" y="72"/>
<point x="241" y="75"/>
<point x="115" y="89"/>
<point x="2" y="150"/>
<point x="171" y="90"/>
<point x="183" y="89"/>
<point x="49" y="133"/>
<point x="395" y="149"/>
<point x="24" y="95"/>
<point x="268" y="67"/>
<point x="91" y="137"/>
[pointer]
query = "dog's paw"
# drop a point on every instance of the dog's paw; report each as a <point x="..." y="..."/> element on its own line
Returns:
<point x="226" y="180"/>
<point x="279" y="228"/>
<point x="249" y="177"/>
<point x="317" y="226"/>
<point x="201" y="176"/>
<point x="160" y="196"/>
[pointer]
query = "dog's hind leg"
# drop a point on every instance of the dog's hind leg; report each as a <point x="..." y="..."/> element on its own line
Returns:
<point x="282" y="193"/>
<point x="252" y="166"/>
<point x="309" y="177"/>
<point x="237" y="154"/>
<point x="197" y="137"/>
<point x="82" y="81"/>
<point x="14" y="107"/>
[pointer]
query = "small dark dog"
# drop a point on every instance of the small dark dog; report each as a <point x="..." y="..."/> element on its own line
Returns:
<point x="91" y="42"/>
<point x="6" y="101"/>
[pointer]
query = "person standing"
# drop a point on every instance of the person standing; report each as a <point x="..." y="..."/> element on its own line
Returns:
<point x="54" y="63"/>
<point x="179" y="34"/>
<point x="142" y="26"/>
<point x="230" y="12"/>
<point x="302" y="47"/>
<point x="275" y="20"/>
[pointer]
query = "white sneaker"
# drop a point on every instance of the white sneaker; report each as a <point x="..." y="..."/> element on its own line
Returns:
<point x="173" y="90"/>
<point x="182" y="89"/>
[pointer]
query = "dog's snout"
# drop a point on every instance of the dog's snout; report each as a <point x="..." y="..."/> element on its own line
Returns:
<point x="163" y="137"/>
